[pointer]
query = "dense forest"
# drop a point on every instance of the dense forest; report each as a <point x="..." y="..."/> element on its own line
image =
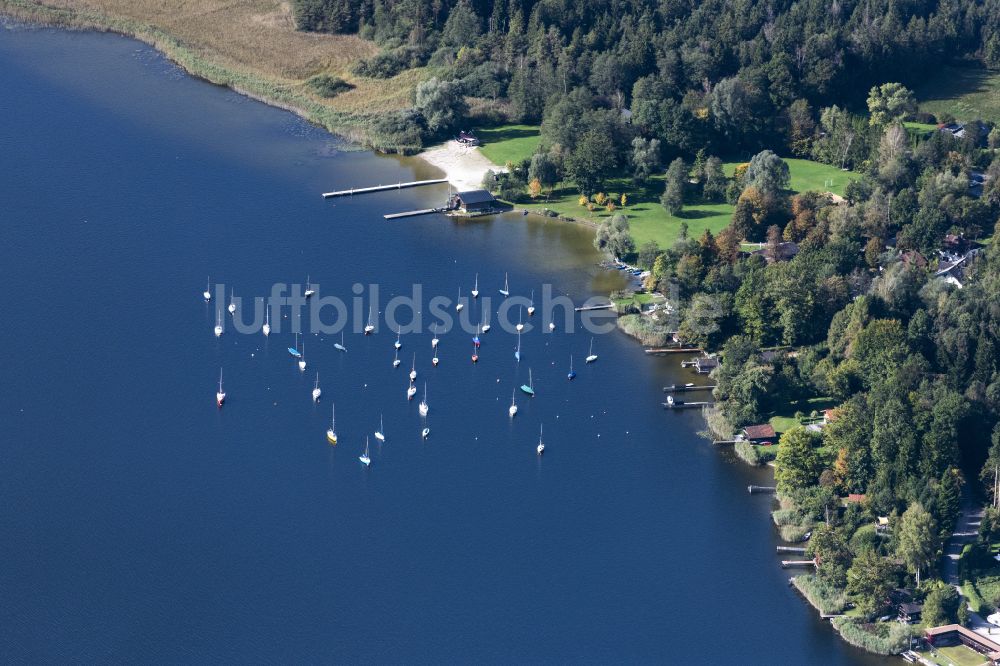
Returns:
<point x="884" y="304"/>
<point x="723" y="76"/>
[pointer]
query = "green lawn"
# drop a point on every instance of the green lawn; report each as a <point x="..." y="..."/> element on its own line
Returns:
<point x="785" y="420"/>
<point x="649" y="220"/>
<point x="509" y="143"/>
<point x="955" y="655"/>
<point x="965" y="92"/>
<point x="919" y="130"/>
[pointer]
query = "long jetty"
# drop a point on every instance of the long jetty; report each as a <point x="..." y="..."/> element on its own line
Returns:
<point x="677" y="404"/>
<point x="798" y="550"/>
<point x="603" y="306"/>
<point x="760" y="489"/>
<point x="412" y="213"/>
<point x="382" y="188"/>
<point x="680" y="389"/>
<point x="670" y="350"/>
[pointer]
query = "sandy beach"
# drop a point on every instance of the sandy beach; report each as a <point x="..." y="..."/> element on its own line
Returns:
<point x="463" y="166"/>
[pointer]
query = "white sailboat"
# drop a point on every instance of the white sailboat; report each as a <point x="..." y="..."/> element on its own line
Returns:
<point x="506" y="288"/>
<point x="459" y="305"/>
<point x="517" y="352"/>
<point x="413" y="368"/>
<point x="365" y="460"/>
<point x="379" y="434"/>
<point x="435" y="360"/>
<point x="531" y="304"/>
<point x="208" y="290"/>
<point x="475" y="289"/>
<point x="309" y="288"/>
<point x="395" y="360"/>
<point x="486" y="325"/>
<point x="434" y="340"/>
<point x="302" y="358"/>
<point x="232" y="302"/>
<point x="425" y="433"/>
<point x="541" y="445"/>
<point x="218" y="323"/>
<point x="317" y="392"/>
<point x="267" y="322"/>
<point x="369" y="327"/>
<point x="520" y="323"/>
<point x="220" y="395"/>
<point x="411" y="391"/>
<point x="552" y="326"/>
<point x="331" y="433"/>
<point x="398" y="343"/>
<point x="513" y="405"/>
<point x="592" y="356"/>
<point x="423" y="408"/>
<point x="339" y="346"/>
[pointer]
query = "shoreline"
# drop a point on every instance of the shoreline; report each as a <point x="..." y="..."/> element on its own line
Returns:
<point x="270" y="91"/>
<point x="462" y="167"/>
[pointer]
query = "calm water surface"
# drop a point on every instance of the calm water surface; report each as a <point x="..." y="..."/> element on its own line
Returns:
<point x="140" y="523"/>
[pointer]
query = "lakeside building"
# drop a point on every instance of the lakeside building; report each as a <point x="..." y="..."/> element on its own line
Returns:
<point x="473" y="202"/>
<point x="953" y="634"/>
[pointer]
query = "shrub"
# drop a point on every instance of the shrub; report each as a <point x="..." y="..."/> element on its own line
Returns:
<point x="326" y="85"/>
<point x="865" y="538"/>
<point x="885" y="638"/>
<point x="823" y="596"/>
<point x="644" y="329"/>
<point x="387" y="64"/>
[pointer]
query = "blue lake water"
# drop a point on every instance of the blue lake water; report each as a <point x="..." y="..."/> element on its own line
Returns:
<point x="138" y="522"/>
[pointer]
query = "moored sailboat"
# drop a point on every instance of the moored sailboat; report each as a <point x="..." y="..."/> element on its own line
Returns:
<point x="331" y="433"/>
<point x="592" y="356"/>
<point x="365" y="460"/>
<point x="220" y="395"/>
<point x="317" y="392"/>
<point x="529" y="388"/>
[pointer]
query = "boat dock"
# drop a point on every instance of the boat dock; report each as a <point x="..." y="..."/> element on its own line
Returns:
<point x="677" y="404"/>
<point x="785" y="564"/>
<point x="798" y="550"/>
<point x="670" y="350"/>
<point x="678" y="389"/>
<point x="760" y="489"/>
<point x="412" y="213"/>
<point x="584" y="308"/>
<point x="382" y="188"/>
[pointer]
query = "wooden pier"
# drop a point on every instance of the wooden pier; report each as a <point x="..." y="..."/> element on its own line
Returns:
<point x="412" y="213"/>
<point x="798" y="550"/>
<point x="382" y="188"/>
<point x="681" y="389"/>
<point x="785" y="564"/>
<point x="760" y="489"/>
<point x="584" y="308"/>
<point x="677" y="404"/>
<point x="721" y="442"/>
<point x="671" y="350"/>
